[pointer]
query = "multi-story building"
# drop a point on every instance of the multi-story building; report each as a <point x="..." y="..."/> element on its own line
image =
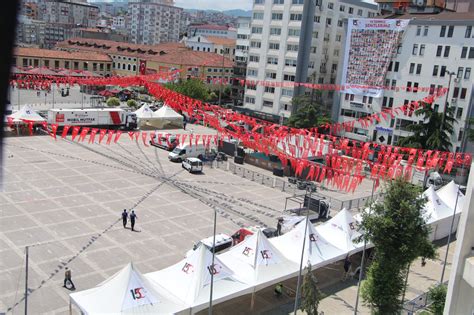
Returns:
<point x="296" y="41"/>
<point x="436" y="51"/>
<point x="154" y="21"/>
<point x="212" y="30"/>
<point x="127" y="58"/>
<point x="219" y="45"/>
<point x="241" y="58"/>
<point x="34" y="57"/>
<point x="77" y="13"/>
<point x="41" y="34"/>
<point x="425" y="6"/>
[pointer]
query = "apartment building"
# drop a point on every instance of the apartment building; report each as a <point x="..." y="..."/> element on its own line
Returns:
<point x="41" y="34"/>
<point x="154" y="21"/>
<point x="241" y="58"/>
<point x="437" y="50"/>
<point x="77" y="13"/>
<point x="212" y="30"/>
<point x="296" y="41"/>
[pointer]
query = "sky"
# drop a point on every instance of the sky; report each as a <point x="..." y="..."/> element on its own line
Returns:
<point x="215" y="4"/>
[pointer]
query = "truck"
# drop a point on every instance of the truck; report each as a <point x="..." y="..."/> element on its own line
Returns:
<point x="110" y="118"/>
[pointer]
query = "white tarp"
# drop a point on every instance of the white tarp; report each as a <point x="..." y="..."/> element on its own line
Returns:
<point x="257" y="262"/>
<point x="341" y="231"/>
<point x="127" y="292"/>
<point x="165" y="117"/>
<point x="317" y="248"/>
<point x="190" y="280"/>
<point x="27" y="113"/>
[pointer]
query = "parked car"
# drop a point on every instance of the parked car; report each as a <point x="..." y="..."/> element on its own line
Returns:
<point x="192" y="165"/>
<point x="223" y="241"/>
<point x="169" y="145"/>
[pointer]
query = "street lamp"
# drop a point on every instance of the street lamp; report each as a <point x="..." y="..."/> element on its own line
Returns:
<point x="447" y="98"/>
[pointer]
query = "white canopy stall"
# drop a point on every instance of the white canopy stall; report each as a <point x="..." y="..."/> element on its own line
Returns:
<point x="190" y="280"/>
<point x="127" y="292"/>
<point x="169" y="118"/>
<point x="26" y="113"/>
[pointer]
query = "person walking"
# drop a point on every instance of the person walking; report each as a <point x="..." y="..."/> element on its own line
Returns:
<point x="133" y="217"/>
<point x="185" y="121"/>
<point x="124" y="218"/>
<point x="68" y="278"/>
<point x="347" y="268"/>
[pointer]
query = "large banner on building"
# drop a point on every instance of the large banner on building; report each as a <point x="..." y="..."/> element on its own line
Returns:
<point x="370" y="46"/>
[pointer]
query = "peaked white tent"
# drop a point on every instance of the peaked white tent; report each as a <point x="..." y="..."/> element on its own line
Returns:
<point x="317" y="249"/>
<point x="165" y="117"/>
<point x="27" y="113"/>
<point x="190" y="280"/>
<point x="127" y="292"/>
<point x="145" y="112"/>
<point x="439" y="215"/>
<point x="169" y="118"/>
<point x="341" y="231"/>
<point x="257" y="262"/>
<point x="448" y="193"/>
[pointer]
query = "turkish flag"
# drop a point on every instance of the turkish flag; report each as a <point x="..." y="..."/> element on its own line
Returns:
<point x="92" y="135"/>
<point x="102" y="134"/>
<point x="142" y="67"/>
<point x="75" y="132"/>
<point x="65" y="130"/>
<point x="83" y="134"/>
<point x="110" y="135"/>
<point x="117" y="136"/>
<point x="54" y="129"/>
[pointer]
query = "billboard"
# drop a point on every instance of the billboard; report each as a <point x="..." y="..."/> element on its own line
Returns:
<point x="370" y="45"/>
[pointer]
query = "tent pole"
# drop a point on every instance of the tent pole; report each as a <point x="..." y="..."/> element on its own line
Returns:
<point x="211" y="270"/>
<point x="449" y="236"/>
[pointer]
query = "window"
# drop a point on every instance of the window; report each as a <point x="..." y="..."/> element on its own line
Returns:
<point x="468" y="31"/>
<point x="408" y="86"/>
<point x="443" y="71"/>
<point x="252" y="72"/>
<point x="442" y="33"/>
<point x="258" y="15"/>
<point x="277" y="16"/>
<point x="464" y="52"/>
<point x="259" y="1"/>
<point x="292" y="47"/>
<point x="460" y="72"/>
<point x="254" y="44"/>
<point x="340" y="23"/>
<point x="397" y="66"/>
<point x="267" y="104"/>
<point x="418" y="30"/>
<point x="351" y="10"/>
<point x="415" y="49"/>
<point x="269" y="89"/>
<point x="471" y="53"/>
<point x="446" y="51"/>
<point x="439" y="50"/>
<point x="253" y="58"/>
<point x="425" y="31"/>
<point x="359" y="12"/>
<point x="328" y="21"/>
<point x="415" y="87"/>
<point x="274" y="46"/>
<point x="418" y="68"/>
<point x="338" y="38"/>
<point x="288" y="77"/>
<point x="270" y="75"/>
<point x="250" y="100"/>
<point x="435" y="70"/>
<point x="66" y="64"/>
<point x="290" y="62"/>
<point x="330" y="5"/>
<point x="287" y="92"/>
<point x="422" y="49"/>
<point x="467" y="74"/>
<point x="412" y="68"/>
<point x="256" y="30"/>
<point x="293" y="32"/>
<point x="456" y="92"/>
<point x="278" y="1"/>
<point x="317" y="19"/>
<point x="298" y="2"/>
<point x="463" y="93"/>
<point x="272" y="60"/>
<point x="450" y="31"/>
<point x="342" y="8"/>
<point x="459" y="113"/>
<point x="86" y="66"/>
<point x="296" y="17"/>
<point x="275" y="31"/>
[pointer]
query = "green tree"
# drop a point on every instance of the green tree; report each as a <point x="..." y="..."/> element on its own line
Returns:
<point x="309" y="114"/>
<point x="470" y="135"/>
<point x="132" y="104"/>
<point x="113" y="102"/>
<point x="437" y="294"/>
<point x="398" y="231"/>
<point x="193" y="88"/>
<point x="311" y="293"/>
<point x="428" y="134"/>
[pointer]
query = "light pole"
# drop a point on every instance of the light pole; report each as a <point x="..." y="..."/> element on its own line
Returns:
<point x="447" y="98"/>
<point x="26" y="280"/>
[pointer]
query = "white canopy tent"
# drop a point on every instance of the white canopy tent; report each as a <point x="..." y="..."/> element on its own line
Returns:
<point x="257" y="262"/>
<point x="341" y="231"/>
<point x="169" y="118"/>
<point x="165" y="117"/>
<point x="190" y="280"/>
<point x="448" y="193"/>
<point x="127" y="292"/>
<point x="317" y="249"/>
<point x="27" y="113"/>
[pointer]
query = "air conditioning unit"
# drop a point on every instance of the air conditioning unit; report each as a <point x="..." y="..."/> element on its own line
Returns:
<point x="454" y="100"/>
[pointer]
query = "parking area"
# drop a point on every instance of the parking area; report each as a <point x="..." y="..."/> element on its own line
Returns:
<point x="63" y="200"/>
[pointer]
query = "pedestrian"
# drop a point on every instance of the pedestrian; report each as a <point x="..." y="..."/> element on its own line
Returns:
<point x="124" y="218"/>
<point x="279" y="225"/>
<point x="133" y="217"/>
<point x="347" y="268"/>
<point x="185" y="121"/>
<point x="278" y="290"/>
<point x="68" y="278"/>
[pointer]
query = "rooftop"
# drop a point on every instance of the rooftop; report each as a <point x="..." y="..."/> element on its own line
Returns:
<point x="221" y="40"/>
<point x="211" y="27"/>
<point x="167" y="53"/>
<point x="57" y="54"/>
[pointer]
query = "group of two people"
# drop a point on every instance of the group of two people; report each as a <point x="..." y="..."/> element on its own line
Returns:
<point x="133" y="218"/>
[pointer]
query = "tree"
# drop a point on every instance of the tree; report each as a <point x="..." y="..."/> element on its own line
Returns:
<point x="194" y="88"/>
<point x="113" y="102"/>
<point x="309" y="114"/>
<point x="470" y="135"/>
<point x="428" y="134"/>
<point x="398" y="231"/>
<point x="437" y="294"/>
<point x="132" y="104"/>
<point x="311" y="293"/>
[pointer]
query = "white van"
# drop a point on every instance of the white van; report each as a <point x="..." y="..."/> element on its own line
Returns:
<point x="193" y="165"/>
<point x="223" y="241"/>
<point x="184" y="151"/>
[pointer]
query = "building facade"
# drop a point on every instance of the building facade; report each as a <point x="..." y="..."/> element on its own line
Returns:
<point x="41" y="34"/>
<point x="154" y="21"/>
<point x="277" y="46"/>
<point x="76" y="13"/>
<point x="241" y="59"/>
<point x="436" y="51"/>
<point x="212" y="30"/>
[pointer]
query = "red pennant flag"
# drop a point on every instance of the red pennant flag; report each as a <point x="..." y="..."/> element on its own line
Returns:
<point x="65" y="130"/>
<point x="117" y="136"/>
<point x="110" y="135"/>
<point x="102" y="133"/>
<point x="130" y="134"/>
<point x="54" y="129"/>
<point x="75" y="132"/>
<point x="92" y="135"/>
<point x="10" y="121"/>
<point x="137" y="135"/>
<point x="83" y="134"/>
<point x="30" y="127"/>
<point x="45" y="125"/>
<point x="197" y="139"/>
<point x="144" y="135"/>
